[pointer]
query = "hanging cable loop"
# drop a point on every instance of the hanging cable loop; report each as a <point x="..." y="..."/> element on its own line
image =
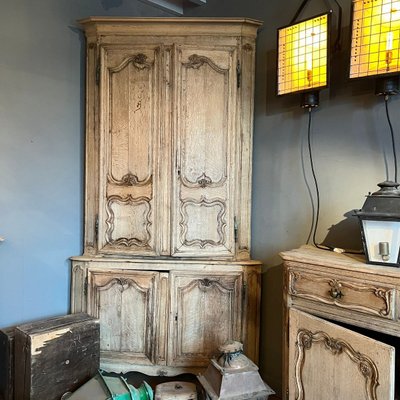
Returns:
<point x="337" y="45"/>
<point x="298" y="12"/>
<point x="338" y="42"/>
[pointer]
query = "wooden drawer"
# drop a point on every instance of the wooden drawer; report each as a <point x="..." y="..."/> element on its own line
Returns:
<point x="342" y="292"/>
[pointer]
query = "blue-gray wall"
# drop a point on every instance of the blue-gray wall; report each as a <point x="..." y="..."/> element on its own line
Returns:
<point x="41" y="153"/>
<point x="41" y="149"/>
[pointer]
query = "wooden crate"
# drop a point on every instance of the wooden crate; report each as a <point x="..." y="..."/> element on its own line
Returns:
<point x="7" y="363"/>
<point x="55" y="356"/>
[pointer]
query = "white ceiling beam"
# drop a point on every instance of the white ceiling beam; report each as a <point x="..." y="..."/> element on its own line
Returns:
<point x="174" y="6"/>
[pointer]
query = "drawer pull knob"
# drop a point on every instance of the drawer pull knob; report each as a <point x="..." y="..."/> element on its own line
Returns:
<point x="336" y="293"/>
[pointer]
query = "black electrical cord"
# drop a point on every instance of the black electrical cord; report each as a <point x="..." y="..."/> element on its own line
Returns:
<point x="310" y="156"/>
<point x="315" y="218"/>
<point x="392" y="135"/>
<point x="338" y="42"/>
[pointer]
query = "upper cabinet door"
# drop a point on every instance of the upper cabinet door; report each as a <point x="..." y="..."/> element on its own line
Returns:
<point x="329" y="362"/>
<point x="169" y="137"/>
<point x="204" y="148"/>
<point x="129" y="153"/>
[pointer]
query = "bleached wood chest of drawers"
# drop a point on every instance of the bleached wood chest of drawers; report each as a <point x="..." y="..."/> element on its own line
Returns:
<point x="327" y="298"/>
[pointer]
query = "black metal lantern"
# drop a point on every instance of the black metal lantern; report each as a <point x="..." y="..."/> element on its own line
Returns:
<point x="380" y="225"/>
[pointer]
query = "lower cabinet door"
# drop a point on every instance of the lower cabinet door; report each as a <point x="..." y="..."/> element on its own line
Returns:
<point x="329" y="362"/>
<point x="126" y="302"/>
<point x="205" y="312"/>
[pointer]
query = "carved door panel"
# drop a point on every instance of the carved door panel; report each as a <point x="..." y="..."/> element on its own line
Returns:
<point x="130" y="121"/>
<point x="126" y="304"/>
<point x="204" y="127"/>
<point x="330" y="362"/>
<point x="205" y="312"/>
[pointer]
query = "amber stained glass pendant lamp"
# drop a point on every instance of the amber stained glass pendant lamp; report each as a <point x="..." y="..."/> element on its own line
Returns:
<point x="375" y="43"/>
<point x="303" y="58"/>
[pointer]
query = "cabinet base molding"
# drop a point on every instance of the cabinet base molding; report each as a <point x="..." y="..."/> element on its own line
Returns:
<point x="155" y="370"/>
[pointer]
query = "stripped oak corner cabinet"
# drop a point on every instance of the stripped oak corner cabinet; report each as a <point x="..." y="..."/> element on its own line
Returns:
<point x="166" y="264"/>
<point x="342" y="329"/>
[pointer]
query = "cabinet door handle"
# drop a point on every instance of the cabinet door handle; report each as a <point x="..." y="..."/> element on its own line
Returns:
<point x="336" y="293"/>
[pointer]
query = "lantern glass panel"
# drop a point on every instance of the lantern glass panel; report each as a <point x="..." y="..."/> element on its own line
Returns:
<point x="382" y="239"/>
